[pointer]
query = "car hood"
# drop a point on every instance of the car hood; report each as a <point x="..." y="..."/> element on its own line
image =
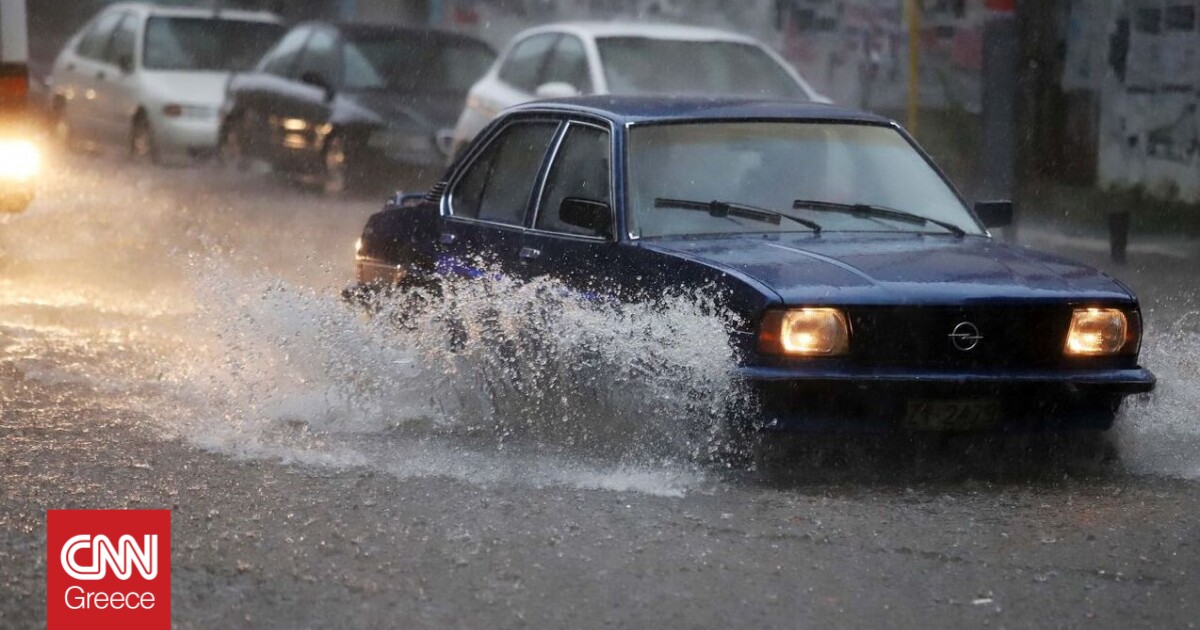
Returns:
<point x="428" y="110"/>
<point x="205" y="89"/>
<point x="896" y="269"/>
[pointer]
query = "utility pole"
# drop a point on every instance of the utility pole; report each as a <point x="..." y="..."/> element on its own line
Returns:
<point x="912" y="14"/>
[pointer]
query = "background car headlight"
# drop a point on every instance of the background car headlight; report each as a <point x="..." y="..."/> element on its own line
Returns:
<point x="20" y="160"/>
<point x="1098" y="332"/>
<point x="805" y="332"/>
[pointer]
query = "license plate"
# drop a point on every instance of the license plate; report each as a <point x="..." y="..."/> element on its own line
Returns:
<point x="952" y="415"/>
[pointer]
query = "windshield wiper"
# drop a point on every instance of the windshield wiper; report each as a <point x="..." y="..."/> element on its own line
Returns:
<point x="881" y="212"/>
<point x="721" y="209"/>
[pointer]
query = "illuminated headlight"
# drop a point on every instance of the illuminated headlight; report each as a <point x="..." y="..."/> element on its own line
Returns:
<point x="805" y="332"/>
<point x="1099" y="332"/>
<point x="395" y="141"/>
<point x="20" y="160"/>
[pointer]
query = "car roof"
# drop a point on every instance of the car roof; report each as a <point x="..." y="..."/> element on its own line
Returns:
<point x="640" y="29"/>
<point x="649" y="109"/>
<point x="155" y="10"/>
<point x="360" y="29"/>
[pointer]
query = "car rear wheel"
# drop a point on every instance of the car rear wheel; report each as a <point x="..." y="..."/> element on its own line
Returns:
<point x="142" y="147"/>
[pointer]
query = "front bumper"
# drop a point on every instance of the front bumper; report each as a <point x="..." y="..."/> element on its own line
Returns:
<point x="844" y="400"/>
<point x="1114" y="381"/>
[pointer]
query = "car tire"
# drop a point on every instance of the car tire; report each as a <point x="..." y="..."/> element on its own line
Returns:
<point x="60" y="127"/>
<point x="142" y="147"/>
<point x="335" y="171"/>
<point x="231" y="149"/>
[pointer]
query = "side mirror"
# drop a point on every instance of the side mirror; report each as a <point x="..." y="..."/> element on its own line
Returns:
<point x="556" y="89"/>
<point x="316" y="80"/>
<point x="593" y="216"/>
<point x="995" y="214"/>
<point x="125" y="64"/>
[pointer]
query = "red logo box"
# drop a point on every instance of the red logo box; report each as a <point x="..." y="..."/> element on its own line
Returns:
<point x="108" y="569"/>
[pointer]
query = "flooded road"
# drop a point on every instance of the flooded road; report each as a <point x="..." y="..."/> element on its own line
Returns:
<point x="174" y="338"/>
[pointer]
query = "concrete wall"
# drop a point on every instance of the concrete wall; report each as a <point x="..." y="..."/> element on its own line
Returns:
<point x="1142" y="59"/>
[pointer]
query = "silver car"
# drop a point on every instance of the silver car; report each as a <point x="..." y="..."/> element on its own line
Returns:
<point x="153" y="78"/>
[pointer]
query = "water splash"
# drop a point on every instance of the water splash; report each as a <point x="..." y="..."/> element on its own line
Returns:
<point x="1159" y="433"/>
<point x="577" y="390"/>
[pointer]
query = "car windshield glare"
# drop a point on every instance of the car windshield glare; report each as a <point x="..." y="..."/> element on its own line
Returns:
<point x="432" y="64"/>
<point x="771" y="165"/>
<point x="199" y="44"/>
<point x="713" y="67"/>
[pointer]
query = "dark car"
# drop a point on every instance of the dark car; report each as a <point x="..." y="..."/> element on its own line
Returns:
<point x="339" y="104"/>
<point x="873" y="298"/>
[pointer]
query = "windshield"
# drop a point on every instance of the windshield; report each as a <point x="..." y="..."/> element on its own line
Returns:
<point x="772" y="166"/>
<point x="730" y="68"/>
<point x="177" y="43"/>
<point x="415" y="62"/>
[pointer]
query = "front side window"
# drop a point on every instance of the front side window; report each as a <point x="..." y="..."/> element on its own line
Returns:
<point x="523" y="67"/>
<point x="320" y="58"/>
<point x="206" y="44"/>
<point x="580" y="170"/>
<point x="95" y="41"/>
<point x="429" y="62"/>
<point x="123" y="42"/>
<point x="282" y="57"/>
<point x="569" y="65"/>
<point x="816" y="172"/>
<point x="730" y="68"/>
<point x="498" y="184"/>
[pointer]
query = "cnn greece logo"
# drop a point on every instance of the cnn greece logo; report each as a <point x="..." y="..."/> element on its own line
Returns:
<point x="123" y="557"/>
<point x="108" y="569"/>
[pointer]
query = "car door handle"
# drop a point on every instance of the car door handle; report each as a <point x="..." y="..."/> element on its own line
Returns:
<point x="529" y="253"/>
<point x="448" y="238"/>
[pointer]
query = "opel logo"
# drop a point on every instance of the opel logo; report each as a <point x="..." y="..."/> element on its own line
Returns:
<point x="966" y="336"/>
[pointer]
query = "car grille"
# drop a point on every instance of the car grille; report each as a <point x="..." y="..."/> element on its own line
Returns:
<point x="1010" y="336"/>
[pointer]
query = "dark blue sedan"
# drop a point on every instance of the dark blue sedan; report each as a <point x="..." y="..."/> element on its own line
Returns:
<point x="873" y="298"/>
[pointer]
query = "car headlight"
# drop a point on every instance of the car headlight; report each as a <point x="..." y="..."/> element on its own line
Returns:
<point x="20" y="160"/>
<point x="1100" y="332"/>
<point x="805" y="332"/>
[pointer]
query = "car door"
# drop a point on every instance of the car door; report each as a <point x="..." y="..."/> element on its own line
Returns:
<point x="117" y="82"/>
<point x="82" y="70"/>
<point x="584" y="258"/>
<point x="259" y="99"/>
<point x="490" y="196"/>
<point x="305" y="103"/>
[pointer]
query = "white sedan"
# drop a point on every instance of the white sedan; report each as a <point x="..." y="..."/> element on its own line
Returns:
<point x="564" y="60"/>
<point x="153" y="78"/>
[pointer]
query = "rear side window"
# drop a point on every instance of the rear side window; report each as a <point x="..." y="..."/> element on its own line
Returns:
<point x="498" y="185"/>
<point x="524" y="64"/>
<point x="95" y="41"/>
<point x="580" y="170"/>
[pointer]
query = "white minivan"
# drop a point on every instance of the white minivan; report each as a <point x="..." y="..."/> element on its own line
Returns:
<point x="563" y="60"/>
<point x="153" y="78"/>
